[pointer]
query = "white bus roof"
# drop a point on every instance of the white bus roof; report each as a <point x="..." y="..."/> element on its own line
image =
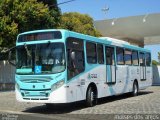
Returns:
<point x="115" y="40"/>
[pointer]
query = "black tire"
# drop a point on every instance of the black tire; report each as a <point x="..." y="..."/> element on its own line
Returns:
<point x="135" y="89"/>
<point x="91" y="98"/>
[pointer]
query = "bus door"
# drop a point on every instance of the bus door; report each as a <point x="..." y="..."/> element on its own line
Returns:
<point x="142" y="66"/>
<point x="110" y="65"/>
<point x="75" y="66"/>
<point x="121" y="71"/>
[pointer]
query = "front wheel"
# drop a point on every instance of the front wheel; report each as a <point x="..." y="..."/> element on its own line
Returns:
<point x="91" y="98"/>
<point x="135" y="89"/>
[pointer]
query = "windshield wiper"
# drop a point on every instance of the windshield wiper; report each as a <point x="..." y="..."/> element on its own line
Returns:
<point x="26" y="48"/>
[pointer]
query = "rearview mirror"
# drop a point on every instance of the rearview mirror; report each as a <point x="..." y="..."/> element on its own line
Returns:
<point x="12" y="56"/>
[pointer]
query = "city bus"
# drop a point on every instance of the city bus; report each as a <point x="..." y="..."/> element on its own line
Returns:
<point x="61" y="66"/>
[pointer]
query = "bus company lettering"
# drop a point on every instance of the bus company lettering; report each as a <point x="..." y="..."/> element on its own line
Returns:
<point x="91" y="76"/>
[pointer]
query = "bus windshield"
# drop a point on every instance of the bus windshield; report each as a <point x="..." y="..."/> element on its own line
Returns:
<point x="48" y="58"/>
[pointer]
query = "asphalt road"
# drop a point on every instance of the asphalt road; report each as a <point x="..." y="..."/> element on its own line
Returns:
<point x="146" y="105"/>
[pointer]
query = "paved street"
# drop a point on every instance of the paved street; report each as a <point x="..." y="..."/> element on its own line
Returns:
<point x="148" y="102"/>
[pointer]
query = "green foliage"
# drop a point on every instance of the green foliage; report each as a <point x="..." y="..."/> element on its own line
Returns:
<point x="52" y="3"/>
<point x="79" y="23"/>
<point x="154" y="62"/>
<point x="18" y="16"/>
<point x="159" y="57"/>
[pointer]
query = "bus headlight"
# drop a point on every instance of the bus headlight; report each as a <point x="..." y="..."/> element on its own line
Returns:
<point x="17" y="86"/>
<point x="57" y="85"/>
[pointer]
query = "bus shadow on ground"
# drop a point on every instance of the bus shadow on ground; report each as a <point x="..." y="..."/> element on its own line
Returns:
<point x="121" y="97"/>
<point x="67" y="108"/>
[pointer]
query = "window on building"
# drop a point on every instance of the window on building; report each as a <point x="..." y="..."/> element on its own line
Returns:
<point x="100" y="54"/>
<point x="120" y="56"/>
<point x="91" y="52"/>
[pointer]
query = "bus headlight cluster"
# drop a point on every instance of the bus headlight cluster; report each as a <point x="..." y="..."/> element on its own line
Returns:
<point x="17" y="86"/>
<point x="57" y="85"/>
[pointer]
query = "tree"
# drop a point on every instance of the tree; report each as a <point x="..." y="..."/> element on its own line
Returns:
<point x="77" y="22"/>
<point x="159" y="57"/>
<point x="18" y="16"/>
<point x="154" y="62"/>
<point x="51" y="3"/>
<point x="53" y="8"/>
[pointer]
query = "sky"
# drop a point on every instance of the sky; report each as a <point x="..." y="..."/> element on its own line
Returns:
<point x="117" y="9"/>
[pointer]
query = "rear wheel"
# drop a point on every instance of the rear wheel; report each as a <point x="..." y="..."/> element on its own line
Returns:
<point x="91" y="98"/>
<point x="135" y="89"/>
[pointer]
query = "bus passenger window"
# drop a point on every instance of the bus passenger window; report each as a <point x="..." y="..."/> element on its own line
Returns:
<point x="148" y="59"/>
<point x="109" y="55"/>
<point x="76" y="65"/>
<point x="100" y="54"/>
<point x="141" y="59"/>
<point x="91" y="52"/>
<point x="135" y="58"/>
<point x="127" y="57"/>
<point x="120" y="56"/>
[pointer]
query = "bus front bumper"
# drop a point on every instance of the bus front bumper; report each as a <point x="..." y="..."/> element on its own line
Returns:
<point x="42" y="96"/>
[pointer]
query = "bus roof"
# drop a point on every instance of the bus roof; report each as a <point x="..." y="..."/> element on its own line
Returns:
<point x="109" y="41"/>
<point x="105" y="40"/>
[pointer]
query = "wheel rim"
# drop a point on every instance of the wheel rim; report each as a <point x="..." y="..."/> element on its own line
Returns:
<point x="92" y="96"/>
<point x="135" y="89"/>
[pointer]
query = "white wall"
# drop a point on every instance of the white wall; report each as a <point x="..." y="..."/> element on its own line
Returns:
<point x="7" y="76"/>
<point x="7" y="72"/>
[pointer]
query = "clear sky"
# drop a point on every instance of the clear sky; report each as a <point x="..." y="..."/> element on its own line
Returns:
<point x="117" y="8"/>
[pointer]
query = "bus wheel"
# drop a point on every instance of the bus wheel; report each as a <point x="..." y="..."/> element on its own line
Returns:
<point x="135" y="89"/>
<point x="91" y="98"/>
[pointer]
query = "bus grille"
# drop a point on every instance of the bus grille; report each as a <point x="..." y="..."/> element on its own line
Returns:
<point x="35" y="98"/>
<point x="35" y="95"/>
<point x="36" y="79"/>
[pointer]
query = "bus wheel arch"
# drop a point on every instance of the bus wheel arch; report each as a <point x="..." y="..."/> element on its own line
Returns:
<point x="135" y="88"/>
<point x="91" y="95"/>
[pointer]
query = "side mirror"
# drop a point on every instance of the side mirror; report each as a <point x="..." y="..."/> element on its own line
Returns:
<point x="12" y="56"/>
<point x="73" y="55"/>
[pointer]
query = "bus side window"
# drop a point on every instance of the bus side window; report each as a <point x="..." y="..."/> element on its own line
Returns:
<point x="120" y="56"/>
<point x="135" y="60"/>
<point x="100" y="54"/>
<point x="91" y="52"/>
<point x="75" y="65"/>
<point x="109" y="55"/>
<point x="127" y="57"/>
<point x="141" y="59"/>
<point x="148" y="59"/>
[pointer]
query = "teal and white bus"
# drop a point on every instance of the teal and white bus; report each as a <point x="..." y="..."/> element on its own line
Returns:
<point x="60" y="66"/>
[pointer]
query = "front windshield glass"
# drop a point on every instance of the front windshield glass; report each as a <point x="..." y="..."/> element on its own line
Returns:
<point x="46" y="58"/>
